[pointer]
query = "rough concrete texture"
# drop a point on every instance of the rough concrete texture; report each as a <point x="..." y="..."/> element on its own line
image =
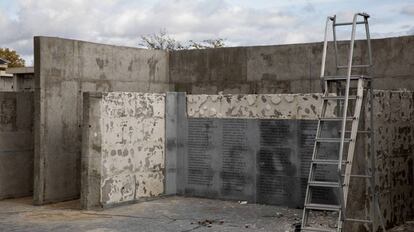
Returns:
<point x="171" y="214"/>
<point x="394" y="133"/>
<point x="263" y="106"/>
<point x="130" y="157"/>
<point x="63" y="70"/>
<point x="394" y="150"/>
<point x="16" y="144"/>
<point x="293" y="68"/>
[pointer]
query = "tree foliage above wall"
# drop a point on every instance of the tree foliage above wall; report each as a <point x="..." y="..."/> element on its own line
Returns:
<point x="13" y="57"/>
<point x="163" y="41"/>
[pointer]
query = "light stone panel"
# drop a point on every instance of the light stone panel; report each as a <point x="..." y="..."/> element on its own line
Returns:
<point x="131" y="159"/>
<point x="260" y="106"/>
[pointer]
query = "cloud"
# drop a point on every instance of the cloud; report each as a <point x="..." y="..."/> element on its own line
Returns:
<point x="123" y="21"/>
<point x="408" y="10"/>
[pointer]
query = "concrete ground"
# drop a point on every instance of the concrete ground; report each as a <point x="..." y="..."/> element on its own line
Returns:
<point x="167" y="214"/>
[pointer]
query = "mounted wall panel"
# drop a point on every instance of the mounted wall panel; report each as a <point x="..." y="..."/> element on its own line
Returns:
<point x="246" y="147"/>
<point x="123" y="148"/>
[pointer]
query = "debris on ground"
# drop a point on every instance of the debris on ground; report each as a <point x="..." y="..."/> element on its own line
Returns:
<point x="408" y="226"/>
<point x="279" y="215"/>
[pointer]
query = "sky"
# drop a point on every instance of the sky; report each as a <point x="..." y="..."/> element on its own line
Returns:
<point x="239" y="22"/>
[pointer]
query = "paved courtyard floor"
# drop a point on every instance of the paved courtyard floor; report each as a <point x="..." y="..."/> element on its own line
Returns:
<point x="167" y="214"/>
<point x="178" y="214"/>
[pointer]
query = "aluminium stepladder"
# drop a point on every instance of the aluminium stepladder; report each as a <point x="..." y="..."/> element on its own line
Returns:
<point x="348" y="124"/>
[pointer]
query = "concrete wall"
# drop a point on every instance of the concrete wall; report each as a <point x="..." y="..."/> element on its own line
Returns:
<point x="63" y="70"/>
<point x="394" y="150"/>
<point x="394" y="143"/>
<point x="293" y="68"/>
<point x="23" y="78"/>
<point x="16" y="144"/>
<point x="7" y="84"/>
<point x="243" y="147"/>
<point x="123" y="148"/>
<point x="66" y="68"/>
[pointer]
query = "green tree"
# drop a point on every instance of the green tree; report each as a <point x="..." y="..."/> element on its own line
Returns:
<point x="162" y="41"/>
<point x="12" y="56"/>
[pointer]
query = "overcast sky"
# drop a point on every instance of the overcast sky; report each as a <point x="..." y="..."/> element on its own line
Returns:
<point x="240" y="22"/>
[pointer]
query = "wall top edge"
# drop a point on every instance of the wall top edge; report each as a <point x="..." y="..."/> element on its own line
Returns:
<point x="95" y="43"/>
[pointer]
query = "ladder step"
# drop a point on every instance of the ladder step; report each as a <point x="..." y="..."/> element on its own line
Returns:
<point x="360" y="131"/>
<point x="306" y="228"/>
<point x="358" y="220"/>
<point x="336" y="119"/>
<point x="342" y="78"/>
<point x="326" y="184"/>
<point x="331" y="140"/>
<point x="354" y="66"/>
<point x="323" y="207"/>
<point x="338" y="97"/>
<point x="348" y="23"/>
<point x="330" y="162"/>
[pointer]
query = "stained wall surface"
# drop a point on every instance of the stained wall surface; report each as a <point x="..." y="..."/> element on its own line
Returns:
<point x="123" y="148"/>
<point x="16" y="144"/>
<point x="64" y="69"/>
<point x="293" y="68"/>
<point x="245" y="147"/>
<point x="209" y="114"/>
<point x="394" y="150"/>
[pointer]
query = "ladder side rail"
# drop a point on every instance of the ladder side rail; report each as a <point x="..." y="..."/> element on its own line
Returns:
<point x="373" y="196"/>
<point x="308" y="195"/>
<point x="335" y="41"/>
<point x="352" y="143"/>
<point x="325" y="46"/>
<point x="348" y="82"/>
<point x="345" y="110"/>
<point x="368" y="40"/>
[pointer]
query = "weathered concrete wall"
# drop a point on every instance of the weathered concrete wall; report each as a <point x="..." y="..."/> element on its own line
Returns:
<point x="291" y="68"/>
<point x="7" y="84"/>
<point x="243" y="147"/>
<point x="394" y="150"/>
<point x="123" y="148"/>
<point x="16" y="144"/>
<point x="63" y="70"/>
<point x="394" y="143"/>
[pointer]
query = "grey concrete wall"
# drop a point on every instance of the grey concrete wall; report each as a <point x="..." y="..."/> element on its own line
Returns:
<point x="394" y="151"/>
<point x="394" y="148"/>
<point x="23" y="78"/>
<point x="175" y="134"/>
<point x="63" y="70"/>
<point x="123" y="148"/>
<point x="7" y="84"/>
<point x="16" y="144"/>
<point x="291" y="68"/>
<point x="243" y="147"/>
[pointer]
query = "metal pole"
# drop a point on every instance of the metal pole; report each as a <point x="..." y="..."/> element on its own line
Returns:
<point x="345" y="109"/>
<point x="325" y="46"/>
